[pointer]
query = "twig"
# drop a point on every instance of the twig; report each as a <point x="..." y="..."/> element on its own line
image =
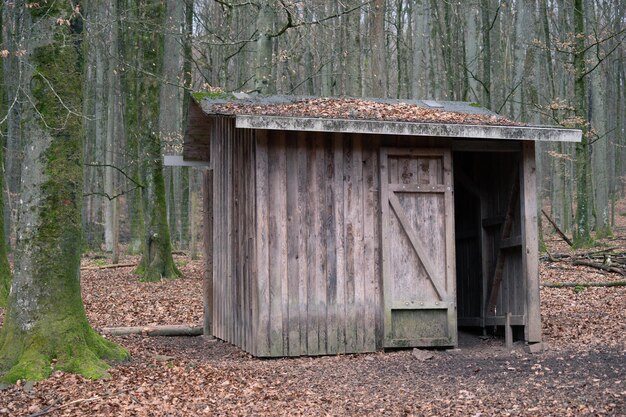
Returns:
<point x="111" y="266"/>
<point x="46" y="409"/>
<point x="51" y="408"/>
<point x="585" y="284"/>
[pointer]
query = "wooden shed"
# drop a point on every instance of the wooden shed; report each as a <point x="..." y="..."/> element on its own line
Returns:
<point x="343" y="225"/>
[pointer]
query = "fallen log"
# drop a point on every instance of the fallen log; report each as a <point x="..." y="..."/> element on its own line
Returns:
<point x="167" y="330"/>
<point x="111" y="266"/>
<point x="556" y="227"/>
<point x="584" y="284"/>
<point x="599" y="266"/>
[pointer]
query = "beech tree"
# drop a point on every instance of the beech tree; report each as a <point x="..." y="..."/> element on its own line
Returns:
<point x="5" y="270"/>
<point x="157" y="261"/>
<point x="45" y="327"/>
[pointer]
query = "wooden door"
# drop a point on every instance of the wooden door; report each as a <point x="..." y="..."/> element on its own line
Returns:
<point x="418" y="248"/>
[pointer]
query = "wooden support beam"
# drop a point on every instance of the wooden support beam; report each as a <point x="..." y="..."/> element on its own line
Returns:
<point x="530" y="250"/>
<point x="508" y="332"/>
<point x="511" y="242"/>
<point x="493" y="221"/>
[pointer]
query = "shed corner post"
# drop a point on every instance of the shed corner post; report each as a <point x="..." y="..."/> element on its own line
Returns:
<point x="207" y="185"/>
<point x="530" y="252"/>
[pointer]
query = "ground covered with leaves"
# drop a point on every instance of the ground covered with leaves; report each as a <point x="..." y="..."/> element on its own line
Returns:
<point x="582" y="371"/>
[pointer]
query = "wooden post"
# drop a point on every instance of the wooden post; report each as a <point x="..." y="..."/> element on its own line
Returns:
<point x="508" y="332"/>
<point x="208" y="252"/>
<point x="530" y="248"/>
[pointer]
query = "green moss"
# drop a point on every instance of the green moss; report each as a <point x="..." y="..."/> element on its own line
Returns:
<point x="58" y="335"/>
<point x="475" y="104"/>
<point x="201" y="95"/>
<point x="74" y="347"/>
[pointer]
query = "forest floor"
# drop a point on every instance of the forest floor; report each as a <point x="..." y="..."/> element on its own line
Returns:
<point x="582" y="371"/>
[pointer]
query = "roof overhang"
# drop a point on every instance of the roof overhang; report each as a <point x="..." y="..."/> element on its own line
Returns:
<point x="533" y="133"/>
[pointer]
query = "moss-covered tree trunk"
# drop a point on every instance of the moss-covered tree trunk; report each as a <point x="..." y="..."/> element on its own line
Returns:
<point x="157" y="261"/>
<point x="45" y="327"/>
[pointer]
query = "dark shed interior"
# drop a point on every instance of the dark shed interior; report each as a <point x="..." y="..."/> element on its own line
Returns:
<point x="483" y="185"/>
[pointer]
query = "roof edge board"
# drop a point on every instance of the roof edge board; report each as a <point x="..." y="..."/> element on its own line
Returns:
<point x="544" y="134"/>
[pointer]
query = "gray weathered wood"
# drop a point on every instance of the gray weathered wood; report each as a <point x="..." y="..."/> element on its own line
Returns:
<point x="419" y="294"/>
<point x="208" y="253"/>
<point x="303" y="230"/>
<point x="410" y="129"/>
<point x="530" y="252"/>
<point x="262" y="245"/>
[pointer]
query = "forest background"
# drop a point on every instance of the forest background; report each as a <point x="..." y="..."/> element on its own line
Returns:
<point x="94" y="93"/>
<point x="557" y="62"/>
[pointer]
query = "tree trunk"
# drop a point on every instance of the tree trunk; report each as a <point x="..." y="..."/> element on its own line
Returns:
<point x="486" y="19"/>
<point x="110" y="148"/>
<point x="45" y="319"/>
<point x="599" y="136"/>
<point x="5" y="270"/>
<point x="12" y="67"/>
<point x="583" y="184"/>
<point x="420" y="87"/>
<point x="157" y="261"/>
<point x="471" y="51"/>
<point x="264" y="83"/>
<point x="129" y="78"/>
<point x="377" y="33"/>
<point x="353" y="52"/>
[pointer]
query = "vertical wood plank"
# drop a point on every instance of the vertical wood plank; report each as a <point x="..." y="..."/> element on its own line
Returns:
<point x="278" y="245"/>
<point x="230" y="311"/>
<point x="331" y="249"/>
<point x="350" y="243"/>
<point x="358" y="218"/>
<point x="321" y="211"/>
<point x="218" y="197"/>
<point x="262" y="245"/>
<point x="450" y="241"/>
<point x="384" y="206"/>
<point x="340" y="303"/>
<point x="370" y="258"/>
<point x="303" y="231"/>
<point x="377" y="306"/>
<point x="293" y="234"/>
<point x="530" y="251"/>
<point x="312" y="248"/>
<point x="208" y="251"/>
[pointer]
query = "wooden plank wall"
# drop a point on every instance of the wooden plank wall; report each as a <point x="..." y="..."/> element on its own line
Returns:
<point x="296" y="239"/>
<point x="317" y="244"/>
<point x="233" y="155"/>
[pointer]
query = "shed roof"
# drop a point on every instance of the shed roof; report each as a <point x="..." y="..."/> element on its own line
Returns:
<point x="368" y="116"/>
